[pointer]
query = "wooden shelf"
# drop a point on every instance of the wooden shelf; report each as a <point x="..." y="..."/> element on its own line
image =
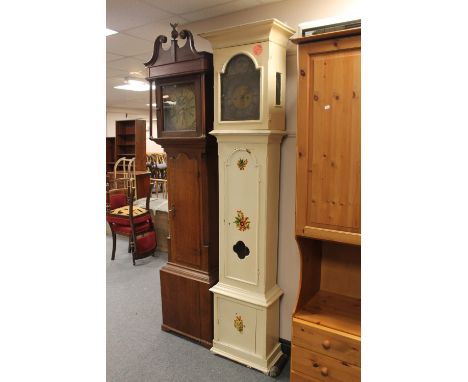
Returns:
<point x="128" y="155"/>
<point x="125" y="133"/>
<point x="330" y="235"/>
<point x="333" y="311"/>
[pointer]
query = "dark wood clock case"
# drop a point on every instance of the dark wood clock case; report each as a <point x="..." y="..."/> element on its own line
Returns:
<point x="192" y="173"/>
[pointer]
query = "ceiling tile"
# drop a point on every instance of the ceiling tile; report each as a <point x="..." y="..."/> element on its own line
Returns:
<point x="269" y="1"/>
<point x="126" y="14"/>
<point x="146" y="56"/>
<point x="125" y="45"/>
<point x="230" y="7"/>
<point x="151" y="31"/>
<point x="183" y="6"/>
<point x="128" y="65"/>
<point x="115" y="73"/>
<point x="112" y="57"/>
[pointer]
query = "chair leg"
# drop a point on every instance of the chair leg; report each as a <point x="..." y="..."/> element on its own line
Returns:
<point x="133" y="258"/>
<point x="129" y="244"/>
<point x="113" y="246"/>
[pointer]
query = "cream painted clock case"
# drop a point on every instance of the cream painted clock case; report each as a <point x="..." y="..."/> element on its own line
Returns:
<point x="249" y="120"/>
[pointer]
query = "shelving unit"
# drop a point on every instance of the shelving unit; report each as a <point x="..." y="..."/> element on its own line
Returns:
<point x="326" y="324"/>
<point x="130" y="141"/>
<point x="110" y="153"/>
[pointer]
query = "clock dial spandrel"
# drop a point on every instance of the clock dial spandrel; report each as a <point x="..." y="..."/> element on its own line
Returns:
<point x="240" y="90"/>
<point x="179" y="107"/>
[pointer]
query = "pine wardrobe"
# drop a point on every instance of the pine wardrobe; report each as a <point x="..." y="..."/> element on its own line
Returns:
<point x="326" y="325"/>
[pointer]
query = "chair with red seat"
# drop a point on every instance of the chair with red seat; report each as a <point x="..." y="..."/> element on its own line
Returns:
<point x="131" y="221"/>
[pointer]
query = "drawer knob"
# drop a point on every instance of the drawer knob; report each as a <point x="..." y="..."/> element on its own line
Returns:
<point x="326" y="344"/>
<point x="324" y="371"/>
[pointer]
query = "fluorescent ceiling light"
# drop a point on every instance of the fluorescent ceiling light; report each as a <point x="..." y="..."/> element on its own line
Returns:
<point x="110" y="32"/>
<point x="134" y="85"/>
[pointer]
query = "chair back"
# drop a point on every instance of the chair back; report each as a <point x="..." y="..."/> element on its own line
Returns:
<point x="124" y="174"/>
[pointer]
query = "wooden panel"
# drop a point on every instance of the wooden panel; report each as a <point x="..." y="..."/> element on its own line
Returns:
<point x="110" y="153"/>
<point x="332" y="45"/>
<point x="333" y="311"/>
<point x="161" y="225"/>
<point x="327" y="36"/>
<point x="331" y="235"/>
<point x="325" y="341"/>
<point x="243" y="334"/>
<point x="341" y="269"/>
<point x="323" y="368"/>
<point x="334" y="161"/>
<point x="311" y="256"/>
<point x="140" y="145"/>
<point x="180" y="303"/>
<point x="184" y="209"/>
<point x="299" y="377"/>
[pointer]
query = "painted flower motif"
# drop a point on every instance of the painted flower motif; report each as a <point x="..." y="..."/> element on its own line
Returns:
<point x="242" y="163"/>
<point x="242" y="222"/>
<point x="239" y="323"/>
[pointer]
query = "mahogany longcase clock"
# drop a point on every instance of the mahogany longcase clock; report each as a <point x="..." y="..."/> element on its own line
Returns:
<point x="181" y="96"/>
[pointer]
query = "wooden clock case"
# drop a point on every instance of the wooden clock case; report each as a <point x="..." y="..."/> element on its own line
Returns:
<point x="247" y="296"/>
<point x="192" y="178"/>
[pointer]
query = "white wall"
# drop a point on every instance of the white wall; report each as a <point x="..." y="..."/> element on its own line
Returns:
<point x="291" y="12"/>
<point x="113" y="115"/>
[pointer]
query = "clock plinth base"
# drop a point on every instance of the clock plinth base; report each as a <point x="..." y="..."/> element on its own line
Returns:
<point x="255" y="362"/>
<point x="187" y="303"/>
<point x="246" y="327"/>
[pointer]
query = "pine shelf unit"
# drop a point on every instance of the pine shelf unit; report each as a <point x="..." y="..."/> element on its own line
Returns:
<point x="326" y="324"/>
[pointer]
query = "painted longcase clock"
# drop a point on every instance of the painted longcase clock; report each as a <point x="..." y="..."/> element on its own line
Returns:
<point x="249" y="120"/>
<point x="181" y="95"/>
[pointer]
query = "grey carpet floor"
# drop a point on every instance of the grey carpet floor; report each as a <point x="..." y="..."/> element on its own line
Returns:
<point x="137" y="349"/>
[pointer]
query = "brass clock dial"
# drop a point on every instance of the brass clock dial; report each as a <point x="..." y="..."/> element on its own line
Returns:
<point x="242" y="96"/>
<point x="240" y="90"/>
<point x="179" y="107"/>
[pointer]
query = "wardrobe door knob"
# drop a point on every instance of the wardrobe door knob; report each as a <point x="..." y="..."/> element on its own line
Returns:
<point x="326" y="344"/>
<point x="324" y="371"/>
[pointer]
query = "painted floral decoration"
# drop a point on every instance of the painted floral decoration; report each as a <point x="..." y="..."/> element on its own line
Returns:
<point x="238" y="323"/>
<point x="242" y="222"/>
<point x="242" y="163"/>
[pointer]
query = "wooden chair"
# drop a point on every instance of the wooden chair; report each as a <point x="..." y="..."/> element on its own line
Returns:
<point x="124" y="174"/>
<point x="159" y="184"/>
<point x="158" y="169"/>
<point x="131" y="221"/>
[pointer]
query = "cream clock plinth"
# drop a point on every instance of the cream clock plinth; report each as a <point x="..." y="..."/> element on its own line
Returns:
<point x="249" y="121"/>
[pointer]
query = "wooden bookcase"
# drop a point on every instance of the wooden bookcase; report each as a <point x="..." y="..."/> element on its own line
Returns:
<point x="110" y="154"/>
<point x="130" y="141"/>
<point x="326" y="324"/>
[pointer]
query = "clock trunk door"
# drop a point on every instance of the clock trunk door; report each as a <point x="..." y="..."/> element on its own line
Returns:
<point x="184" y="209"/>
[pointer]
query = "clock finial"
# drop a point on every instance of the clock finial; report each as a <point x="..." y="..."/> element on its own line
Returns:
<point x="174" y="33"/>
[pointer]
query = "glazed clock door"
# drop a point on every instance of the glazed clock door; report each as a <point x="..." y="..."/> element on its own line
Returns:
<point x="184" y="209"/>
<point x="177" y="106"/>
<point x="240" y="90"/>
